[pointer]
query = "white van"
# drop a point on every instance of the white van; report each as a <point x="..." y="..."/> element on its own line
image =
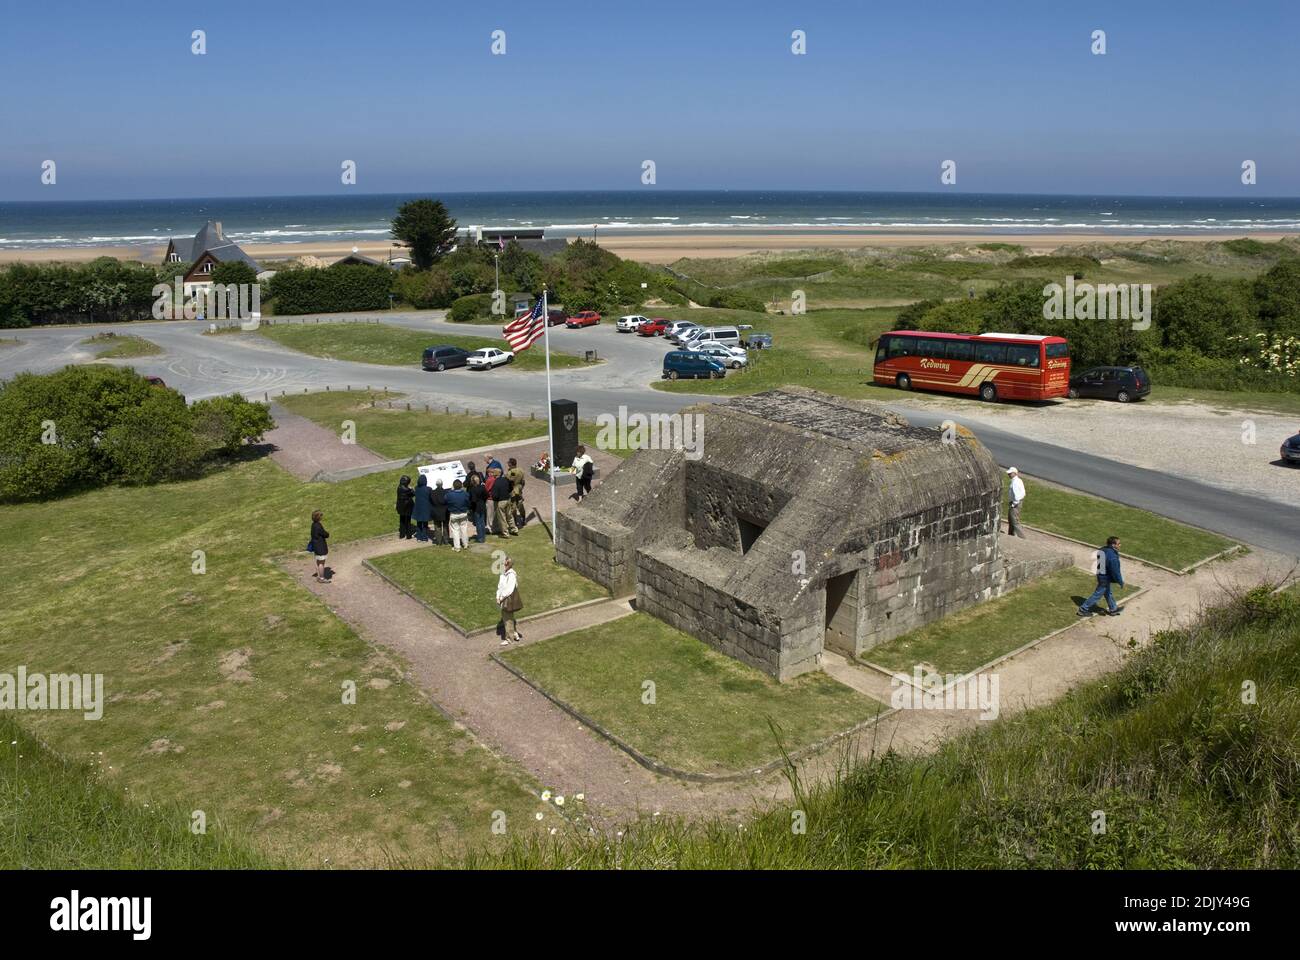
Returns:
<point x="728" y="336"/>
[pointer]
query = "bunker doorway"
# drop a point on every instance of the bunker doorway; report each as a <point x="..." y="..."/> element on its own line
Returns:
<point x="842" y="614"/>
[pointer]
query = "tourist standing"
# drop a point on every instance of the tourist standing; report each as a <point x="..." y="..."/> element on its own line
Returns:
<point x="583" y="469"/>
<point x="509" y="601"/>
<point x="502" y="522"/>
<point x="1108" y="575"/>
<point x="458" y="516"/>
<point x="516" y="477"/>
<point x="1016" y="497"/>
<point x="438" y="513"/>
<point x="318" y="545"/>
<point x="422" y="510"/>
<point x="477" y="504"/>
<point x="405" y="502"/>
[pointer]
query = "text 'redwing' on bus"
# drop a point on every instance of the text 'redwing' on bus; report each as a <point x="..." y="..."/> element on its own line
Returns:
<point x="993" y="366"/>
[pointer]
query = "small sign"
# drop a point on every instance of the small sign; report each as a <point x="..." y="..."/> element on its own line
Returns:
<point x="448" y="473"/>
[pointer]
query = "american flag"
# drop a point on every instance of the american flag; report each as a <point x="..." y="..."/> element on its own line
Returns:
<point x="526" y="329"/>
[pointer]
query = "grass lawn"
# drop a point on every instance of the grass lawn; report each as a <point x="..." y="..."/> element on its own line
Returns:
<point x="46" y="803"/>
<point x="223" y="687"/>
<point x="710" y="713"/>
<point x="972" y="637"/>
<point x="113" y="346"/>
<point x="394" y="346"/>
<point x="1145" y="536"/>
<point x="463" y="586"/>
<point x="402" y="433"/>
<point x="1283" y="403"/>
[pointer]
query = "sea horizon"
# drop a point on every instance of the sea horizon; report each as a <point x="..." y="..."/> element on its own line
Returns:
<point x="364" y="217"/>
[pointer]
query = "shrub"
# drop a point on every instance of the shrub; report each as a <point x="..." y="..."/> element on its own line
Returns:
<point x="468" y="309"/>
<point x="335" y="289"/>
<point x="91" y="425"/>
<point x="102" y="291"/>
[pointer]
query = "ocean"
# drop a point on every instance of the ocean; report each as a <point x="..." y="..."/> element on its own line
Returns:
<point x="360" y="217"/>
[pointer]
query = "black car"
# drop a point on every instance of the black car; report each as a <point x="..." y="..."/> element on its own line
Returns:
<point x="1111" y="383"/>
<point x="440" y="358"/>
<point x="1291" y="450"/>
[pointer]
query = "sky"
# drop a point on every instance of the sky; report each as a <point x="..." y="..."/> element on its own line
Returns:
<point x="709" y="90"/>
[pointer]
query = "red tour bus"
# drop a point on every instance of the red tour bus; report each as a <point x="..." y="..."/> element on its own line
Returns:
<point x="996" y="366"/>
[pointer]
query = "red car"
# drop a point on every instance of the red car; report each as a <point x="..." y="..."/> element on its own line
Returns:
<point x="655" y="328"/>
<point x="583" y="318"/>
<point x="556" y="317"/>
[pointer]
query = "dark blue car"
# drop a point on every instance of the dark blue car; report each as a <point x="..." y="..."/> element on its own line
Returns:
<point x="687" y="364"/>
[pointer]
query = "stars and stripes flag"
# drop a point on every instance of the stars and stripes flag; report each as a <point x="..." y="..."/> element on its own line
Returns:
<point x="527" y="328"/>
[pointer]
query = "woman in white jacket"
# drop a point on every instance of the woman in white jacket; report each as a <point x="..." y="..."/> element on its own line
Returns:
<point x="509" y="601"/>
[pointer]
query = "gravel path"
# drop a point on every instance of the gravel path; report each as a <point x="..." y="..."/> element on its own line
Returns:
<point x="304" y="448"/>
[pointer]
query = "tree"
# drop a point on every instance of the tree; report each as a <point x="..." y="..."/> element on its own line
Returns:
<point x="233" y="273"/>
<point x="1204" y="314"/>
<point x="427" y="228"/>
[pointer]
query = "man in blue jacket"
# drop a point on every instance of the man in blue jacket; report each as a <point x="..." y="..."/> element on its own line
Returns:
<point x="1108" y="574"/>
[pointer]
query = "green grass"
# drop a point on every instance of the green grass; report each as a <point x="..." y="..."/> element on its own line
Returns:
<point x="1189" y="776"/>
<point x="1287" y="404"/>
<point x="1143" y="535"/>
<point x="57" y="815"/>
<point x="394" y="346"/>
<point x="980" y="634"/>
<point x="710" y="713"/>
<point x="463" y="586"/>
<point x="274" y="755"/>
<point x="402" y="433"/>
<point x="113" y="346"/>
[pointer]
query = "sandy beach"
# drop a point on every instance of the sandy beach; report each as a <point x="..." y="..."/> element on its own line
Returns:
<point x="660" y="248"/>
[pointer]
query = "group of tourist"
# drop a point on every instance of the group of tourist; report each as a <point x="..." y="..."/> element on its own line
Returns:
<point x="443" y="516"/>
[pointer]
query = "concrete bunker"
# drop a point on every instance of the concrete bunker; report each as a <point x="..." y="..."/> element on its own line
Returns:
<point x="806" y="523"/>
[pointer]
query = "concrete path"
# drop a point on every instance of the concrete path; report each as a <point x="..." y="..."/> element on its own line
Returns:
<point x="304" y="448"/>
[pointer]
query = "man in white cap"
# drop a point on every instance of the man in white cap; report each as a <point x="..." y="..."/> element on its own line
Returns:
<point x="1017" y="495"/>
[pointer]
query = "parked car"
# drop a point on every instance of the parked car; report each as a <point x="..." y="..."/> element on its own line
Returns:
<point x="440" y="358"/>
<point x="679" y="329"/>
<point x="155" y="381"/>
<point x="488" y="357"/>
<point x="688" y="364"/>
<point x="1111" y="383"/>
<point x="555" y="318"/>
<point x="583" y="318"/>
<point x="758" y="341"/>
<point x="1291" y="449"/>
<point x="701" y="335"/>
<point x="631" y="322"/>
<point x="733" y="357"/>
<point x="655" y="327"/>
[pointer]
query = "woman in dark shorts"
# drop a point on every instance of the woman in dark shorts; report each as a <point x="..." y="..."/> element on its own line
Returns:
<point x="318" y="545"/>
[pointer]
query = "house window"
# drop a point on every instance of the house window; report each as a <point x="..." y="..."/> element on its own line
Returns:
<point x="175" y="258"/>
<point x="207" y="267"/>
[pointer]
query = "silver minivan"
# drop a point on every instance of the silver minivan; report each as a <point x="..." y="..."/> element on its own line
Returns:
<point x="730" y="336"/>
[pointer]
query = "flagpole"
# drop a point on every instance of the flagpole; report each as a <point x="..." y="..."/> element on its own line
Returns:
<point x="550" y="427"/>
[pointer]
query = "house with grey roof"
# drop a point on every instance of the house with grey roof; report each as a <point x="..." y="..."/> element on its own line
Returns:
<point x="208" y="248"/>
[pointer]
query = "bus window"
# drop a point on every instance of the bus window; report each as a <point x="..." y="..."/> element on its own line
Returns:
<point x="960" y="350"/>
<point x="1022" y="354"/>
<point x="931" y="348"/>
<point x="882" y="349"/>
<point x="1055" y="351"/>
<point x="902" y="347"/>
<point x="991" y="352"/>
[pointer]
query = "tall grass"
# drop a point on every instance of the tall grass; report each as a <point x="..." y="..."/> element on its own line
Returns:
<point x="1187" y="770"/>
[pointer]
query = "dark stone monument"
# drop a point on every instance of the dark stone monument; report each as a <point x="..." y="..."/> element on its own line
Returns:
<point x="564" y="431"/>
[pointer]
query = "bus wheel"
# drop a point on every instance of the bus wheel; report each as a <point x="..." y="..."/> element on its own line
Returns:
<point x="904" y="382"/>
<point x="988" y="392"/>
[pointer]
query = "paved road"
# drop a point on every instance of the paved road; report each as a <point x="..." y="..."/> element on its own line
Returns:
<point x="201" y="366"/>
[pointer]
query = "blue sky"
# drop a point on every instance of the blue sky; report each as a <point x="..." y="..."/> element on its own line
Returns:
<point x="709" y="90"/>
